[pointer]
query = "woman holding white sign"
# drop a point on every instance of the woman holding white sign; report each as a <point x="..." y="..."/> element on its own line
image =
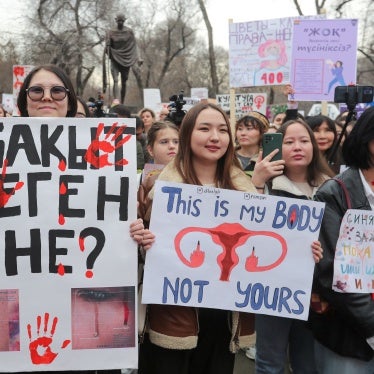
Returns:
<point x="187" y="340"/>
<point x="304" y="172"/>
<point x="344" y="325"/>
<point x="48" y="92"/>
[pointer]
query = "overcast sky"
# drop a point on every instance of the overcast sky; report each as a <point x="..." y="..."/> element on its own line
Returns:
<point x="219" y="11"/>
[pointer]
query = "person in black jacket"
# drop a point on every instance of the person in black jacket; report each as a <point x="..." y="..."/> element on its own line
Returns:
<point x="345" y="330"/>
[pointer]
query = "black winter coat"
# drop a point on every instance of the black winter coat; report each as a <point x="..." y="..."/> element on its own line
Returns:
<point x="350" y="319"/>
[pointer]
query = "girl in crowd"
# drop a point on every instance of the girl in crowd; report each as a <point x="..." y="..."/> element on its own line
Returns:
<point x="188" y="340"/>
<point x="148" y="116"/>
<point x="163" y="143"/>
<point x="248" y="133"/>
<point x="345" y="332"/>
<point x="304" y="172"/>
<point x="324" y="130"/>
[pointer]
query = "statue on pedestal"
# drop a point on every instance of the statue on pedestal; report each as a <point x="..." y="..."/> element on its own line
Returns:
<point x="122" y="51"/>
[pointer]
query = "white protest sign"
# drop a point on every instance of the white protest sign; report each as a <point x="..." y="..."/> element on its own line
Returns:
<point x="244" y="103"/>
<point x="354" y="262"/>
<point x="199" y="92"/>
<point x="231" y="250"/>
<point x="260" y="52"/>
<point x="152" y="99"/>
<point x="67" y="262"/>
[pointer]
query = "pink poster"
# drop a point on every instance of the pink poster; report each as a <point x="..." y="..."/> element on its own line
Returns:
<point x="324" y="56"/>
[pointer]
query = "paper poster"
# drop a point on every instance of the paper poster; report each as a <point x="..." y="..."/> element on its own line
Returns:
<point x="231" y="250"/>
<point x="260" y="52"/>
<point x="199" y="92"/>
<point x="354" y="262"/>
<point x="324" y="56"/>
<point x="244" y="103"/>
<point x="68" y="265"/>
<point x="152" y="99"/>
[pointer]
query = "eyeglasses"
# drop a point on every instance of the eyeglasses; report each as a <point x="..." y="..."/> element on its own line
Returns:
<point x="36" y="93"/>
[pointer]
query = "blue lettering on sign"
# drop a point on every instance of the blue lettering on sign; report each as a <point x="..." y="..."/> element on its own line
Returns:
<point x="299" y="217"/>
<point x="180" y="206"/>
<point x="282" y="299"/>
<point x="183" y="290"/>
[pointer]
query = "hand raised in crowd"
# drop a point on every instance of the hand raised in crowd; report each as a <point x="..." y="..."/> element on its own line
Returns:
<point x="288" y="89"/>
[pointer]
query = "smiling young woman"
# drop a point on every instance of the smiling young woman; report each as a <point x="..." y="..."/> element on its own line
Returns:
<point x="47" y="92"/>
<point x="198" y="340"/>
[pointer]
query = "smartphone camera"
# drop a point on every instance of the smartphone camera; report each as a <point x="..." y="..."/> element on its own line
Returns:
<point x="353" y="94"/>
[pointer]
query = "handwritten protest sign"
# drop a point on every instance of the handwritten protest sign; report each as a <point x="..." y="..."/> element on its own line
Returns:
<point x="231" y="250"/>
<point x="354" y="262"/>
<point x="260" y="52"/>
<point x="244" y="103"/>
<point x="324" y="55"/>
<point x="67" y="262"/>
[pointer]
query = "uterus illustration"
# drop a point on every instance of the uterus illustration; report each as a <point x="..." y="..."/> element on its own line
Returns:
<point x="229" y="236"/>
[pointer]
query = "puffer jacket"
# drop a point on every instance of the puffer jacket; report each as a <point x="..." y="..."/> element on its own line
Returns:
<point x="177" y="327"/>
<point x="349" y="321"/>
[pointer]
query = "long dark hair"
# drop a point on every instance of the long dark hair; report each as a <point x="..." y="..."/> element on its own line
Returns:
<point x="318" y="167"/>
<point x="356" y="145"/>
<point x="72" y="98"/>
<point x="183" y="159"/>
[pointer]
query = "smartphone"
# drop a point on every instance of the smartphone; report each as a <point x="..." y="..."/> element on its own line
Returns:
<point x="354" y="94"/>
<point x="270" y="142"/>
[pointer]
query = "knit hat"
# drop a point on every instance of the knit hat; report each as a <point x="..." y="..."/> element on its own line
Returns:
<point x="261" y="118"/>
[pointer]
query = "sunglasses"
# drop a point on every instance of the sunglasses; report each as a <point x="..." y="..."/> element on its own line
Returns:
<point x="36" y="93"/>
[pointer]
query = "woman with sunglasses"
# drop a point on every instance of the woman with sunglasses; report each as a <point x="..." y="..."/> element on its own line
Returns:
<point x="47" y="92"/>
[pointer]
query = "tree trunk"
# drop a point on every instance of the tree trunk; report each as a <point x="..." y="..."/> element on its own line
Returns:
<point x="212" y="57"/>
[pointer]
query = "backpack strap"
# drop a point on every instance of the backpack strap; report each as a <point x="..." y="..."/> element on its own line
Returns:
<point x="346" y="193"/>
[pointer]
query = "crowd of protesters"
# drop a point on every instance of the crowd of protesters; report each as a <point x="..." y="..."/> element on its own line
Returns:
<point x="204" y="151"/>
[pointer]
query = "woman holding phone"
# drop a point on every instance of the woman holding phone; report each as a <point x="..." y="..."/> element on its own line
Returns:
<point x="304" y="172"/>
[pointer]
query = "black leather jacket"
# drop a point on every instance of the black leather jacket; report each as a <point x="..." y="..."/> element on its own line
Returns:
<point x="350" y="321"/>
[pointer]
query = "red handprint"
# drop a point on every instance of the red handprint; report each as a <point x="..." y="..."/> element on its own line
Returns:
<point x="92" y="155"/>
<point x="40" y="350"/>
<point x="4" y="196"/>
